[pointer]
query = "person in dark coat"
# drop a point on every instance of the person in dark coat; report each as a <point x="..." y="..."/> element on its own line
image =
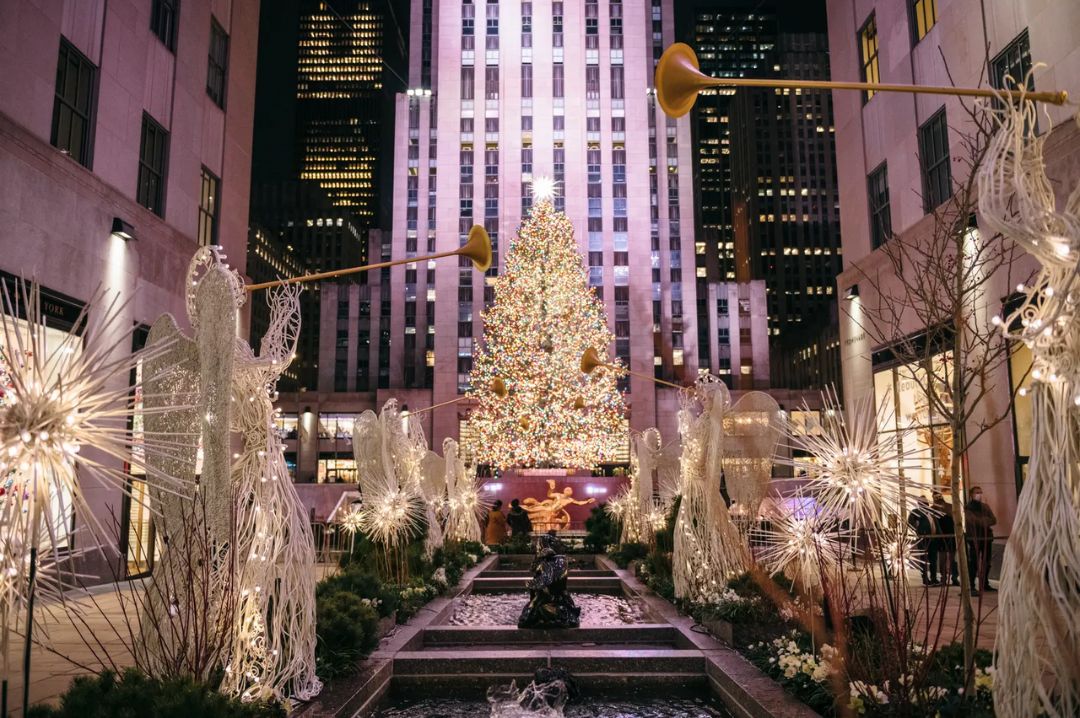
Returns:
<point x="946" y="539"/>
<point x="979" y="521"/>
<point x="922" y="521"/>
<point x="518" y="520"/>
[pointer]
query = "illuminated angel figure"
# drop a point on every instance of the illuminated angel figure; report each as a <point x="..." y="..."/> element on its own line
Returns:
<point x="465" y="505"/>
<point x="1038" y="666"/>
<point x="392" y="509"/>
<point x="708" y="547"/>
<point x="248" y="516"/>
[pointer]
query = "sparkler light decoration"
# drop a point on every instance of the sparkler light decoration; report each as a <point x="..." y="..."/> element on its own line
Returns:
<point x="708" y="547"/>
<point x="465" y="504"/>
<point x="1036" y="650"/>
<point x="544" y="317"/>
<point x="852" y="474"/>
<point x="801" y="546"/>
<point x="66" y="412"/>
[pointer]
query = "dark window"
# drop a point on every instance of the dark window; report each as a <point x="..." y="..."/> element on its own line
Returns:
<point x="218" y="69"/>
<point x="163" y="20"/>
<point x="526" y="80"/>
<point x="557" y="80"/>
<point x="877" y="189"/>
<point x="491" y="82"/>
<point x="153" y="153"/>
<point x="467" y="83"/>
<point x="76" y="81"/>
<point x="616" y="83"/>
<point x="868" y="55"/>
<point x="1012" y="62"/>
<point x="208" y="208"/>
<point x="923" y="17"/>
<point x="934" y="157"/>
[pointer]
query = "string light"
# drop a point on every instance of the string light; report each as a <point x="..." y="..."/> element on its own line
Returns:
<point x="544" y="317"/>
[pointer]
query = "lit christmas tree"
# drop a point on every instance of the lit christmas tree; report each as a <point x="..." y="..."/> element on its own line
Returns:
<point x="544" y="317"/>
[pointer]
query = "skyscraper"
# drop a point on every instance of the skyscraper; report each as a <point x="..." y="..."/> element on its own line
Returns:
<point x="764" y="165"/>
<point x="320" y="146"/>
<point x="509" y="90"/>
<point x="784" y="174"/>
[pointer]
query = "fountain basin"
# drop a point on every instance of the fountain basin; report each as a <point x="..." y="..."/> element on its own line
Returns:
<point x="503" y="609"/>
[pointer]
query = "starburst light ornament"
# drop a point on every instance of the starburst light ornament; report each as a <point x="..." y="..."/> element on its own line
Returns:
<point x="67" y="420"/>
<point x="801" y="546"/>
<point x="852" y="474"/>
<point x="543" y="189"/>
<point x="392" y="510"/>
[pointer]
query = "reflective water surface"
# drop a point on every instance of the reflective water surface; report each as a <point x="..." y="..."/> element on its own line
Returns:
<point x="503" y="609"/>
<point x="587" y="708"/>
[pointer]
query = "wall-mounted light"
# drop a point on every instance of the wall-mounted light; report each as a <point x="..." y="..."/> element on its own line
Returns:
<point x="852" y="292"/>
<point x="122" y="229"/>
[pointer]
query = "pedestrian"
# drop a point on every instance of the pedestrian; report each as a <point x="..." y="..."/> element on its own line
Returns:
<point x="495" y="531"/>
<point x="921" y="520"/>
<point x="979" y="520"/>
<point x="946" y="539"/>
<point x="518" y="519"/>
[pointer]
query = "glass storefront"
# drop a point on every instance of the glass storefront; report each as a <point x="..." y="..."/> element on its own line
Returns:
<point x="908" y="394"/>
<point x="337" y="471"/>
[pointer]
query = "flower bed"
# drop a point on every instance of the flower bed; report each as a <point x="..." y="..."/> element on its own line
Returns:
<point x="883" y="676"/>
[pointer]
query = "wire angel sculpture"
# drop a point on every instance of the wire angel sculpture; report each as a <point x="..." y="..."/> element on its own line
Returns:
<point x="69" y="418"/>
<point x="751" y="433"/>
<point x="433" y="493"/>
<point x="653" y="487"/>
<point x="392" y="512"/>
<point x="708" y="548"/>
<point x="465" y="504"/>
<point x="258" y="595"/>
<point x="1037" y="651"/>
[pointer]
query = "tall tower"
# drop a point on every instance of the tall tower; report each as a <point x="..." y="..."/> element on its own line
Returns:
<point x="318" y="153"/>
<point x="784" y="174"/>
<point x="507" y="90"/>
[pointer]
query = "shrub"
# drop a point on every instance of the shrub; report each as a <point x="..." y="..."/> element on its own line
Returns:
<point x="360" y="581"/>
<point x="413" y="596"/>
<point x="135" y="695"/>
<point x="627" y="552"/>
<point x="601" y="530"/>
<point x="347" y="629"/>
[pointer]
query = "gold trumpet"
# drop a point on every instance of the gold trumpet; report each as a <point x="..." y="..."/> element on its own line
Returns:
<point x="498" y="388"/>
<point x="679" y="80"/>
<point x="477" y="248"/>
<point x="590" y="361"/>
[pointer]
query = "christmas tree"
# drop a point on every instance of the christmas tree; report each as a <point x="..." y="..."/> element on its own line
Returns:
<point x="545" y="315"/>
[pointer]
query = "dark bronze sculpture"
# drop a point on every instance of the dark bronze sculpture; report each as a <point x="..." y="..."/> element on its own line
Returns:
<point x="550" y="604"/>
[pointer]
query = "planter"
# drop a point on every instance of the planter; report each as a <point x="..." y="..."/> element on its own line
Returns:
<point x="387" y="624"/>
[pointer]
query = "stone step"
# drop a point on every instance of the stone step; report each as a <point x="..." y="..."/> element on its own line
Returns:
<point x="584" y="584"/>
<point x="590" y="684"/>
<point x="653" y="633"/>
<point x="525" y="662"/>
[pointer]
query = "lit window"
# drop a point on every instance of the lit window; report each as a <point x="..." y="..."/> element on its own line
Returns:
<point x="924" y="17"/>
<point x="868" y="53"/>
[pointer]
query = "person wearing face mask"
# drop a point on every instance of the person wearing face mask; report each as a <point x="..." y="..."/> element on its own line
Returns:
<point x="979" y="521"/>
